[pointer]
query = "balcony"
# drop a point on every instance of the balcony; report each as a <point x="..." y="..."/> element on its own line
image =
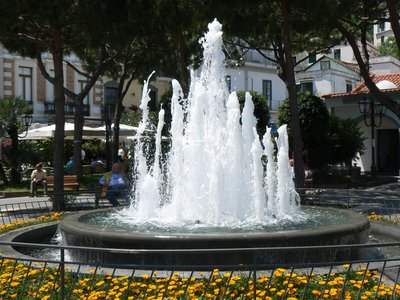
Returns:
<point x="69" y="108"/>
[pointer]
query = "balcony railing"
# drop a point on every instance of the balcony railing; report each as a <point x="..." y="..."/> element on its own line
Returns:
<point x="69" y="108"/>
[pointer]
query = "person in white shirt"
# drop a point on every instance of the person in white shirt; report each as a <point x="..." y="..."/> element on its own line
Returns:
<point x="38" y="177"/>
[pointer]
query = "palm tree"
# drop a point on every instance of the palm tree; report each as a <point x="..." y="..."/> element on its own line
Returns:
<point x="10" y="110"/>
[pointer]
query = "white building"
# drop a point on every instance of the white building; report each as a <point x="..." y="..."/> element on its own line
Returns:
<point x="328" y="75"/>
<point x="260" y="75"/>
<point x="21" y="77"/>
<point x="382" y="31"/>
<point x="386" y="136"/>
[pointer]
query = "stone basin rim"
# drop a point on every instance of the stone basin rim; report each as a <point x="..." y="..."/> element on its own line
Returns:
<point x="354" y="222"/>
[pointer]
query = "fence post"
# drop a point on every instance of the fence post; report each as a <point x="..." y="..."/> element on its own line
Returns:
<point x="255" y="283"/>
<point x="62" y="274"/>
<point x="348" y="198"/>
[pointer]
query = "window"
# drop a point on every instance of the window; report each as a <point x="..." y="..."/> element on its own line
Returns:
<point x="382" y="26"/>
<point x="50" y="88"/>
<point x="267" y="91"/>
<point x="382" y="39"/>
<point x="228" y="80"/>
<point x="110" y="92"/>
<point x="325" y="65"/>
<point x="25" y="83"/>
<point x="294" y="59"/>
<point x="306" y="86"/>
<point x="349" y="86"/>
<point x="312" y="58"/>
<point x="337" y="54"/>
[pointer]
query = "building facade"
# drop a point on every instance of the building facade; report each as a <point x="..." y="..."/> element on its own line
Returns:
<point x="381" y="141"/>
<point x="21" y="77"/>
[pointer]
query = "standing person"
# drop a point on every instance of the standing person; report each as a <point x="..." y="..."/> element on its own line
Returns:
<point x="113" y="184"/>
<point x="121" y="152"/>
<point x="83" y="156"/>
<point x="38" y="177"/>
<point x="69" y="167"/>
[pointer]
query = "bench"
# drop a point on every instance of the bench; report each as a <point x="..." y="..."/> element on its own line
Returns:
<point x="70" y="181"/>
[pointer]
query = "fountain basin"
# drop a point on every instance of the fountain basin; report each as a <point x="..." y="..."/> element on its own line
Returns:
<point x="352" y="230"/>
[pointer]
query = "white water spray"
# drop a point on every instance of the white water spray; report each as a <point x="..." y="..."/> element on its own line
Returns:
<point x="217" y="172"/>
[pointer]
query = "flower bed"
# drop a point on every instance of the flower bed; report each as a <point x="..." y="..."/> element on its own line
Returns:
<point x="24" y="223"/>
<point x="39" y="282"/>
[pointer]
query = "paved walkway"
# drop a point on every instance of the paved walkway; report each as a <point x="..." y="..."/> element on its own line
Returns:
<point x="377" y="196"/>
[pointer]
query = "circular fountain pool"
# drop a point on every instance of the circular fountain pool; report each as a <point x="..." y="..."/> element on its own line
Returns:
<point x="332" y="227"/>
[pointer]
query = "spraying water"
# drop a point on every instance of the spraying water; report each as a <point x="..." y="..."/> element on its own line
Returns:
<point x="218" y="171"/>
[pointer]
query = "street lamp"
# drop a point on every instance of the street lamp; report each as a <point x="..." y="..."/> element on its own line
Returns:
<point x="27" y="121"/>
<point x="369" y="110"/>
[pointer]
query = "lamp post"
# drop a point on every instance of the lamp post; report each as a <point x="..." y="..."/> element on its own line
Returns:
<point x="369" y="110"/>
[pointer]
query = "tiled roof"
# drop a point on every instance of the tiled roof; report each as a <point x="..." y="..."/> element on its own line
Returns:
<point x="363" y="89"/>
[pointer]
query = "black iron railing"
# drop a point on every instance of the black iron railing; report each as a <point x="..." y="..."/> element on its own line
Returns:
<point x="69" y="108"/>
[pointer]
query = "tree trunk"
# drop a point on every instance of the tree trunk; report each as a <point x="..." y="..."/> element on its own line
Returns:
<point x="57" y="51"/>
<point x="394" y="19"/>
<point x="78" y="133"/>
<point x="117" y="118"/>
<point x="184" y="74"/>
<point x="3" y="176"/>
<point x="364" y="71"/>
<point x="291" y="86"/>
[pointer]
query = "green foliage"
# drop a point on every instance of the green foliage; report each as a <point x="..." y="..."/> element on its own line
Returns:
<point x="327" y="139"/>
<point x="11" y="108"/>
<point x="34" y="151"/>
<point x="314" y="120"/>
<point x="261" y="110"/>
<point x="345" y="140"/>
<point x="389" y="47"/>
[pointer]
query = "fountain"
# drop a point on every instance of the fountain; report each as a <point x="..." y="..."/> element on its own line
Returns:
<point x="219" y="186"/>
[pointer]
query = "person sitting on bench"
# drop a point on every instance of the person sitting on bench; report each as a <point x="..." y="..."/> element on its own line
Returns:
<point x="38" y="177"/>
<point x="113" y="184"/>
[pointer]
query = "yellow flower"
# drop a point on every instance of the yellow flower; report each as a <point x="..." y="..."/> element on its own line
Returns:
<point x="100" y="283"/>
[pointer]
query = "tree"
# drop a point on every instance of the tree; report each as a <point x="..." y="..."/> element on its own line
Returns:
<point x="276" y="29"/>
<point x="327" y="138"/>
<point x="10" y="110"/>
<point x="31" y="28"/>
<point x="314" y="119"/>
<point x="182" y="23"/>
<point x="345" y="140"/>
<point x="261" y="110"/>
<point x="353" y="20"/>
<point x="390" y="48"/>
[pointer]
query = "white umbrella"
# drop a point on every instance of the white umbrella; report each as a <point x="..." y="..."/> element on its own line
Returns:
<point x="49" y="131"/>
<point x="124" y="130"/>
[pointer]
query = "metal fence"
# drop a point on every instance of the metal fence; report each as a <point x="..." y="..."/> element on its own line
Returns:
<point x="373" y="275"/>
<point x="24" y="278"/>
